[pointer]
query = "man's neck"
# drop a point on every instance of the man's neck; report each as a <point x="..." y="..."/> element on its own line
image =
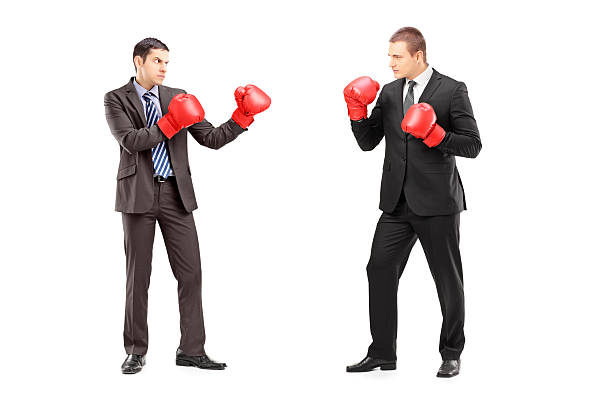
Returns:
<point x="143" y="83"/>
<point x="419" y="73"/>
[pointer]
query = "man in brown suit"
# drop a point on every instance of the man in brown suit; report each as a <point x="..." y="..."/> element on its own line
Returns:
<point x="154" y="184"/>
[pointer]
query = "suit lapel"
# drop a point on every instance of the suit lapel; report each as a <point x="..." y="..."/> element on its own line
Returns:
<point x="164" y="98"/>
<point x="164" y="101"/>
<point x="432" y="85"/>
<point x="397" y="96"/>
<point x="132" y="96"/>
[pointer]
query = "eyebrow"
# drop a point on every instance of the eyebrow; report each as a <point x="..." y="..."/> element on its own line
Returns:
<point x="167" y="61"/>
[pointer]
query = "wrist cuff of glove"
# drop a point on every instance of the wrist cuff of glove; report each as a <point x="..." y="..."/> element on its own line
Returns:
<point x="435" y="137"/>
<point x="167" y="127"/>
<point x="358" y="113"/>
<point x="241" y="119"/>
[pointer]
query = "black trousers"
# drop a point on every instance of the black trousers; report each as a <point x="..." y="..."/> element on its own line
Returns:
<point x="395" y="236"/>
<point x="181" y="239"/>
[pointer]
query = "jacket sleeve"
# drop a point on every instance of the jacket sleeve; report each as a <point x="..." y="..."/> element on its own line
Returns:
<point x="131" y="139"/>
<point x="370" y="131"/>
<point x="215" y="137"/>
<point x="464" y="139"/>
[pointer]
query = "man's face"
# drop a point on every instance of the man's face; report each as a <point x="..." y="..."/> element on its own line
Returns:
<point x="402" y="63"/>
<point x="153" y="70"/>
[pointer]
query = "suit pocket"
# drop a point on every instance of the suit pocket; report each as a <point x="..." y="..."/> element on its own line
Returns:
<point x="438" y="168"/>
<point x="126" y="171"/>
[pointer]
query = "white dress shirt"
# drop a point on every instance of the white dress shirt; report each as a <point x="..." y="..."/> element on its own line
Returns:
<point x="421" y="82"/>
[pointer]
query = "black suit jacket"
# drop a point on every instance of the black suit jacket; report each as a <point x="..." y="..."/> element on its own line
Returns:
<point x="428" y="176"/>
<point x="126" y="119"/>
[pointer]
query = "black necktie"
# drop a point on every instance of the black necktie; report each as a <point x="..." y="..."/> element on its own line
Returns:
<point x="409" y="101"/>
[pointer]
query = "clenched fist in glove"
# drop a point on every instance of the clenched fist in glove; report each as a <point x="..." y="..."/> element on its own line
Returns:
<point x="250" y="100"/>
<point x="358" y="95"/>
<point x="420" y="122"/>
<point x="184" y="110"/>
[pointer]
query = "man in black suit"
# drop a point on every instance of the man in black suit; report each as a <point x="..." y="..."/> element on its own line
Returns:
<point x="421" y="192"/>
<point x="150" y="122"/>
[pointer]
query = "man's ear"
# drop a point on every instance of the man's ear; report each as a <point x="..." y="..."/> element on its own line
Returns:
<point x="138" y="61"/>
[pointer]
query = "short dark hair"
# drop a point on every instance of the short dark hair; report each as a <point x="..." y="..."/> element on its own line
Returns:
<point x="143" y="47"/>
<point x="412" y="37"/>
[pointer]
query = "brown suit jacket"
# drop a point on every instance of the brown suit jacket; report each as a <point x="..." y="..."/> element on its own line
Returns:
<point x="126" y="119"/>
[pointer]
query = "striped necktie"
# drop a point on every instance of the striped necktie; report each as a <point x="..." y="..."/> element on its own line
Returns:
<point x="161" y="164"/>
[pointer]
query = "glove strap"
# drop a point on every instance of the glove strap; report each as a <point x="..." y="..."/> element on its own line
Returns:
<point x="435" y="137"/>
<point x="244" y="121"/>
<point x="167" y="126"/>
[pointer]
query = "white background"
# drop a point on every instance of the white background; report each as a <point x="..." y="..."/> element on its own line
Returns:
<point x="287" y="211"/>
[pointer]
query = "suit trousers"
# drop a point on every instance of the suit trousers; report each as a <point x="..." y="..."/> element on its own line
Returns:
<point x="396" y="234"/>
<point x="181" y="240"/>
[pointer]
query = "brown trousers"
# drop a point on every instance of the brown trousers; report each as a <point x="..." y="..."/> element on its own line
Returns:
<point x="181" y="240"/>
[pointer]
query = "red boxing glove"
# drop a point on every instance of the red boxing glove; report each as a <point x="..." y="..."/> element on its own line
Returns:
<point x="420" y="122"/>
<point x="184" y="110"/>
<point x="358" y="95"/>
<point x="250" y="100"/>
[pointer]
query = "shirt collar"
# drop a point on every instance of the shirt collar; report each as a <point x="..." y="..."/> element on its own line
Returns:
<point x="423" y="77"/>
<point x="141" y="91"/>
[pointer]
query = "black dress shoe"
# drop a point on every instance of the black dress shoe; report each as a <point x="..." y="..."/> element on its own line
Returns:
<point x="203" y="361"/>
<point x="133" y="363"/>
<point x="449" y="368"/>
<point x="369" y="363"/>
